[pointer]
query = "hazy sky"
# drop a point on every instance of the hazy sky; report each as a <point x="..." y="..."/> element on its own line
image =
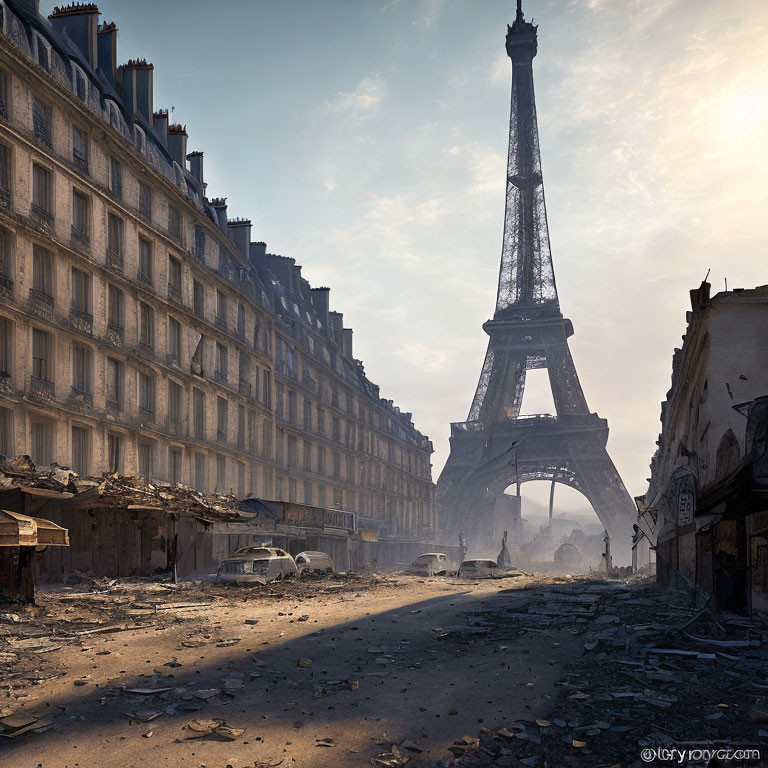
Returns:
<point x="367" y="140"/>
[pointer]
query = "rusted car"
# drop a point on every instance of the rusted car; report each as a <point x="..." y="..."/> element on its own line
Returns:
<point x="314" y="562"/>
<point x="430" y="564"/>
<point x="480" y="569"/>
<point x="256" y="565"/>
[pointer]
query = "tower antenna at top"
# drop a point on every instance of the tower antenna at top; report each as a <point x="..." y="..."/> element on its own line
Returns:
<point x="519" y="10"/>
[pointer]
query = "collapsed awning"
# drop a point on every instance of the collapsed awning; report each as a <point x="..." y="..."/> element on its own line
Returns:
<point x="17" y="530"/>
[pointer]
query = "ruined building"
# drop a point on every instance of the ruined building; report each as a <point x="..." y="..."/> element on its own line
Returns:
<point x="706" y="508"/>
<point x="496" y="447"/>
<point x="141" y="330"/>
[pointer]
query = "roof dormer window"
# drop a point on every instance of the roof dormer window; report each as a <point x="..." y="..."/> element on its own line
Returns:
<point x="113" y="114"/>
<point x="42" y="53"/>
<point x="79" y="82"/>
<point x="140" y="139"/>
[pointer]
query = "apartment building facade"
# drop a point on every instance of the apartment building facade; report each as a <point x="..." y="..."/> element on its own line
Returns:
<point x="141" y="331"/>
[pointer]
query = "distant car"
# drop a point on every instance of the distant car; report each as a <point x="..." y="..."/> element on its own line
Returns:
<point x="430" y="564"/>
<point x="483" y="569"/>
<point x="256" y="565"/>
<point x="314" y="562"/>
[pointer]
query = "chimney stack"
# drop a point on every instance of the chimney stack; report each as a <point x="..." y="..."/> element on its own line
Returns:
<point x="107" y="45"/>
<point x="346" y="343"/>
<point x="239" y="231"/>
<point x="80" y="22"/>
<point x="196" y="166"/>
<point x="136" y="85"/>
<point x="258" y="253"/>
<point x="220" y="206"/>
<point x="177" y="143"/>
<point x="160" y="124"/>
<point x="321" y="298"/>
<point x="337" y="323"/>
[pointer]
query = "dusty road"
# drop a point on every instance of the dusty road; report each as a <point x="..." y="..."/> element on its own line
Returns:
<point x="312" y="677"/>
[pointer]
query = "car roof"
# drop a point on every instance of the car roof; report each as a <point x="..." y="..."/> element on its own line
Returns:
<point x="314" y="555"/>
<point x="430" y="554"/>
<point x="474" y="562"/>
<point x="262" y="552"/>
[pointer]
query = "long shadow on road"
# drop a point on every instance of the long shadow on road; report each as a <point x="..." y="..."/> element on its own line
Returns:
<point x="426" y="671"/>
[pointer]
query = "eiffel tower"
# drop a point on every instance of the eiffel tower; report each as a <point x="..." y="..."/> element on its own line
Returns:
<point x="496" y="447"/>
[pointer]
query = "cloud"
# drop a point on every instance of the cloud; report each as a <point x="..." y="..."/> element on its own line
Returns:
<point x="363" y="99"/>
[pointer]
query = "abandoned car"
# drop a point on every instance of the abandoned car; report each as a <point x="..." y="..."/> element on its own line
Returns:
<point x="430" y="564"/>
<point x="256" y="565"/>
<point x="474" y="569"/>
<point x="314" y="562"/>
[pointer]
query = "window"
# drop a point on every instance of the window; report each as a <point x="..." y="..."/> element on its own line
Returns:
<point x="115" y="452"/>
<point x="222" y="407"/>
<point x="321" y="495"/>
<point x="244" y="375"/>
<point x="115" y="376"/>
<point x="253" y="435"/>
<point x="220" y="372"/>
<point x="42" y="118"/>
<point x="197" y="357"/>
<point x="80" y="214"/>
<point x="145" y="201"/>
<point x="174" y="223"/>
<point x="4" y="101"/>
<point x="42" y="442"/>
<point x="221" y="308"/>
<point x="221" y="474"/>
<point x="42" y="271"/>
<point x="200" y="470"/>
<point x="320" y="421"/>
<point x="115" y="236"/>
<point x="321" y="459"/>
<point x="293" y="457"/>
<point x="115" y="311"/>
<point x="307" y="464"/>
<point x="307" y="415"/>
<point x="42" y="191"/>
<point x="240" y="479"/>
<point x="174" y="340"/>
<point x="81" y="291"/>
<point x="115" y="177"/>
<point x="6" y="347"/>
<point x="223" y="268"/>
<point x="199" y="299"/>
<point x="42" y="53"/>
<point x="198" y="413"/>
<point x="266" y="390"/>
<point x="241" y="426"/>
<point x="200" y="244"/>
<point x="41" y="355"/>
<point x="146" y="325"/>
<point x="79" y="83"/>
<point x="145" y="461"/>
<point x="307" y="492"/>
<point x="175" y="407"/>
<point x="174" y="465"/>
<point x="147" y="393"/>
<point x="140" y="139"/>
<point x="81" y="450"/>
<point x="81" y="369"/>
<point x="241" y="321"/>
<point x="6" y="432"/>
<point x="336" y="464"/>
<point x="145" y="260"/>
<point x="5" y="173"/>
<point x="113" y="114"/>
<point x="174" y="278"/>
<point x="80" y="148"/>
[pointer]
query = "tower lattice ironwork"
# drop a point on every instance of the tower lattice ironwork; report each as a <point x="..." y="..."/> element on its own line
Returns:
<point x="497" y="447"/>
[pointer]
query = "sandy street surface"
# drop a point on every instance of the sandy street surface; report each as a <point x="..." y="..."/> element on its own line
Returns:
<point x="327" y="673"/>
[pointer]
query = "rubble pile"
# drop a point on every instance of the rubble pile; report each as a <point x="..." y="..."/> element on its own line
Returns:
<point x="21" y="472"/>
<point x="655" y="673"/>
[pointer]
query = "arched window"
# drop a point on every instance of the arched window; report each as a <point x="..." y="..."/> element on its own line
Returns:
<point x="728" y="455"/>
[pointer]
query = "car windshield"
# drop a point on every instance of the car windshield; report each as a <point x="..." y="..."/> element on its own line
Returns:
<point x="253" y="551"/>
<point x="260" y="566"/>
<point x="470" y="566"/>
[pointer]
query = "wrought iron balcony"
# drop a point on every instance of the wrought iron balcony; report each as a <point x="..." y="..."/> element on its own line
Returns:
<point x="144" y="277"/>
<point x="114" y="405"/>
<point x="42" y="388"/>
<point x="115" y="333"/>
<point x="5" y="196"/>
<point x="80" y="159"/>
<point x="6" y="287"/>
<point x="221" y="323"/>
<point x="42" y="217"/>
<point x="42" y="132"/>
<point x="80" y="240"/>
<point x="41" y="303"/>
<point x="174" y="292"/>
<point x="176" y="428"/>
<point x="220" y="377"/>
<point x="221" y="435"/>
<point x="145" y="414"/>
<point x="81" y="319"/>
<point x="244" y="388"/>
<point x="81" y="397"/>
<point x="114" y="259"/>
<point x="172" y="358"/>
